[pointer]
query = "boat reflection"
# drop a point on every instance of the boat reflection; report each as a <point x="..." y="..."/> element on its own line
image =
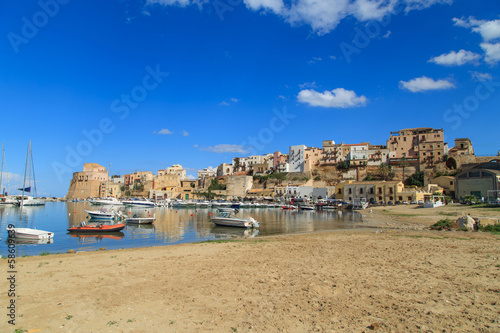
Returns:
<point x="84" y="237"/>
<point x="226" y="232"/>
<point x="24" y="241"/>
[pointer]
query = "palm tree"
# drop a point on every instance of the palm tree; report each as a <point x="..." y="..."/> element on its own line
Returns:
<point x="403" y="163"/>
<point x="383" y="171"/>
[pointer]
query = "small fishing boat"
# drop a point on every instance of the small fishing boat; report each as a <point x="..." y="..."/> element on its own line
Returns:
<point x="103" y="214"/>
<point x="288" y="207"/>
<point x="139" y="203"/>
<point x="227" y="219"/>
<point x="97" y="228"/>
<point x="107" y="201"/>
<point x="29" y="233"/>
<point x="141" y="220"/>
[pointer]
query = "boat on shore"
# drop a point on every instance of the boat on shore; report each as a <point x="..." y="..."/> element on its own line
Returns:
<point x="98" y="228"/>
<point x="228" y="219"/>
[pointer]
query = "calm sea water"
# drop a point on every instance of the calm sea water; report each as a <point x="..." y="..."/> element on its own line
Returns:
<point x="172" y="226"/>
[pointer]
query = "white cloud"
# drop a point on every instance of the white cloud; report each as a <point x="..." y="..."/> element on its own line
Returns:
<point x="424" y="83"/>
<point x="387" y="34"/>
<point x="224" y="103"/>
<point x="185" y="133"/>
<point x="337" y="98"/>
<point x="453" y="58"/>
<point x="225" y="148"/>
<point x="308" y="85"/>
<point x="492" y="52"/>
<point x="281" y="97"/>
<point x="315" y="60"/>
<point x="477" y="76"/>
<point x="333" y="57"/>
<point x="191" y="177"/>
<point x="234" y="100"/>
<point x="164" y="131"/>
<point x="489" y="30"/>
<point x="322" y="15"/>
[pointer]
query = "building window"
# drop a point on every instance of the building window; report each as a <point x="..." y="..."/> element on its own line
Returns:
<point x="340" y="191"/>
<point x="350" y="191"/>
<point x="380" y="198"/>
<point x="379" y="190"/>
<point x="390" y="190"/>
<point x="451" y="183"/>
<point x="360" y="191"/>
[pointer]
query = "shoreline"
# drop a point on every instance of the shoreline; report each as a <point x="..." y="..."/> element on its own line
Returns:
<point x="330" y="281"/>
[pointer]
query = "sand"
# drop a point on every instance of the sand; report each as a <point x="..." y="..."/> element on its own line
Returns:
<point x="393" y="277"/>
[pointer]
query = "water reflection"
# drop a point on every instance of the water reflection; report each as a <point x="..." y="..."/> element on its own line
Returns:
<point x="172" y="225"/>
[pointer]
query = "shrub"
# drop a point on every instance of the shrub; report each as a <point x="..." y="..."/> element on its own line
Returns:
<point x="441" y="224"/>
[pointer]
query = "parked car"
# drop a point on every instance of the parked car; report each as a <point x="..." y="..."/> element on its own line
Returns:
<point x="405" y="203"/>
<point x="390" y="203"/>
<point x="398" y="202"/>
<point x="413" y="202"/>
<point x="382" y="202"/>
<point x="420" y="202"/>
<point x="375" y="203"/>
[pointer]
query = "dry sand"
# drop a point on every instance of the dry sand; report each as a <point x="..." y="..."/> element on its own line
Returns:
<point x="398" y="280"/>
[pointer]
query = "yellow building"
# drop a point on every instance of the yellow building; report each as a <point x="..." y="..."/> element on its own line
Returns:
<point x="447" y="183"/>
<point x="87" y="183"/>
<point x="188" y="189"/>
<point x="238" y="186"/>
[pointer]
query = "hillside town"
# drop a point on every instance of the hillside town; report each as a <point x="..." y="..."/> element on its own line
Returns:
<point x="412" y="164"/>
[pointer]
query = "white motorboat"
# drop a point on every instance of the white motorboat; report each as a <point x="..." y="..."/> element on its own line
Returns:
<point x="141" y="220"/>
<point x="8" y="200"/>
<point x="28" y="233"/>
<point x="139" y="203"/>
<point x="103" y="214"/>
<point x="107" y="201"/>
<point x="31" y="201"/>
<point x="227" y="219"/>
<point x="306" y="207"/>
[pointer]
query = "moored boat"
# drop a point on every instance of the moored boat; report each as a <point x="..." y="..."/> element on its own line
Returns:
<point x="139" y="203"/>
<point x="98" y="228"/>
<point x="29" y="233"/>
<point x="103" y="215"/>
<point x="141" y="220"/>
<point x="227" y="219"/>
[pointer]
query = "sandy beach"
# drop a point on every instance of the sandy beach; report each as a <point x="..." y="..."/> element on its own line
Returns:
<point x="393" y="276"/>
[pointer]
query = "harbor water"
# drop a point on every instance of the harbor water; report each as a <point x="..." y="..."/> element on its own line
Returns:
<point x="172" y="226"/>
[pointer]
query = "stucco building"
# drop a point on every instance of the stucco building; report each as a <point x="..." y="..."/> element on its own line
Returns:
<point x="87" y="183"/>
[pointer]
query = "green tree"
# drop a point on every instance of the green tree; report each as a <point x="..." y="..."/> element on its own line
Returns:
<point x="343" y="165"/>
<point x="384" y="171"/>
<point x="416" y="179"/>
<point x="236" y="164"/>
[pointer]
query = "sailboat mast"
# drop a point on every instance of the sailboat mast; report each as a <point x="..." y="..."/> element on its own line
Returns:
<point x="1" y="171"/>
<point x="24" y="181"/>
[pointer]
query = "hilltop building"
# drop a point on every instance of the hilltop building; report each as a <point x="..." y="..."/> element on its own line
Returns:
<point x="87" y="183"/>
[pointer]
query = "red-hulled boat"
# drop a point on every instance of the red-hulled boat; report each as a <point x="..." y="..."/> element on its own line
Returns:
<point x="98" y="228"/>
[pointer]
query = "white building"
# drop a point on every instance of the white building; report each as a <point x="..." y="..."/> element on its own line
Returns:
<point x="296" y="158"/>
<point x="242" y="165"/>
<point x="224" y="169"/>
<point x="207" y="172"/>
<point x="177" y="169"/>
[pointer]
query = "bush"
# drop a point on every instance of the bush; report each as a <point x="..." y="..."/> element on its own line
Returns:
<point x="494" y="228"/>
<point x="416" y="179"/>
<point x="441" y="224"/>
<point x="317" y="178"/>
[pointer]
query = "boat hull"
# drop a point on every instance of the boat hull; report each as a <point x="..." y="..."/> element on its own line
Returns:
<point x="28" y="233"/>
<point x="224" y="222"/>
<point x="98" y="228"/>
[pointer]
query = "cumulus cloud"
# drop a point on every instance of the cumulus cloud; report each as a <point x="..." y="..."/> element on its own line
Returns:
<point x="453" y="58"/>
<point x="185" y="133"/>
<point x="491" y="52"/>
<point x="226" y="148"/>
<point x="337" y="98"/>
<point x="425" y="83"/>
<point x="164" y="131"/>
<point x="224" y="103"/>
<point x="307" y="85"/>
<point x="322" y="15"/>
<point x="489" y="30"/>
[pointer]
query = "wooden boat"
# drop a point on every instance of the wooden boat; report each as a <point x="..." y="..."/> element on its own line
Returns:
<point x="98" y="228"/>
<point x="141" y="220"/>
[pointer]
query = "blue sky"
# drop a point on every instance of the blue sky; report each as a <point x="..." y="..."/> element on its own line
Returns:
<point x="147" y="84"/>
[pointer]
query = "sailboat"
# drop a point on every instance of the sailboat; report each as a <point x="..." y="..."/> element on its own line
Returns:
<point x="28" y="233"/>
<point x="5" y="199"/>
